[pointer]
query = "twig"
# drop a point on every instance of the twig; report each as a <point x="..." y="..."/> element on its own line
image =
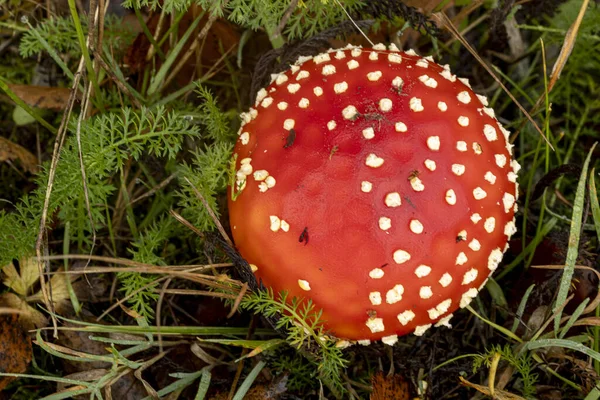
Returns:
<point x="284" y="19"/>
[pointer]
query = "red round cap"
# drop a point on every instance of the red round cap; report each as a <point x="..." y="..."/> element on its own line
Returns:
<point x="377" y="184"/>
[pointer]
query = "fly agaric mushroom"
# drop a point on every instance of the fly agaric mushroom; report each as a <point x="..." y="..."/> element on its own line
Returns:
<point x="377" y="184"/>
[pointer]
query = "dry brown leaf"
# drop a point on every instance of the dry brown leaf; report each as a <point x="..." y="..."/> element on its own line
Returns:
<point x="498" y="394"/>
<point x="15" y="348"/>
<point x="50" y="98"/>
<point x="389" y="387"/>
<point x="11" y="151"/>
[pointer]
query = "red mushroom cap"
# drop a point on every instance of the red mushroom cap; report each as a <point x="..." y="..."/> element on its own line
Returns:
<point x="377" y="184"/>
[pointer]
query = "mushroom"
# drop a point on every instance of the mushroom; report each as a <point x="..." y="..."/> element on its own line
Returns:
<point x="378" y="185"/>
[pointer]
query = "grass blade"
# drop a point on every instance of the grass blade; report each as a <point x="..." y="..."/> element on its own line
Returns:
<point x="166" y="67"/>
<point x="24" y="106"/>
<point x="565" y="343"/>
<point x="204" y="384"/>
<point x="574" y="235"/>
<point x="594" y="202"/>
<point x="245" y="386"/>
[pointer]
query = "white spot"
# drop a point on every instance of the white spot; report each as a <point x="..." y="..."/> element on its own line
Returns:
<point x="422" y="271"/>
<point x="490" y="224"/>
<point x="483" y="100"/>
<point x="416" y="105"/>
<point x="349" y="112"/>
<point x="477" y="148"/>
<point x="430" y="165"/>
<point x="427" y="81"/>
<point x="479" y="193"/>
<point x="340" y="55"/>
<point x="405" y="317"/>
<point x="510" y="228"/>
<point x="393" y="199"/>
<point x="442" y="106"/>
<point x="342" y="344"/>
<point x="440" y="309"/>
<point x="421" y="329"/>
<point x="331" y="125"/>
<point x="500" y="160"/>
<point x="512" y="177"/>
<point x="475" y="245"/>
<point x="390" y="340"/>
<point x="385" y="105"/>
<point x="465" y="81"/>
<point x="463" y="121"/>
<point x="246" y="118"/>
<point x="490" y="133"/>
<point x="253" y="268"/>
<point x="491" y="178"/>
<point x="467" y="297"/>
<point x="469" y="276"/>
<point x="394" y="58"/>
<point x="417" y="184"/>
<point x="461" y="145"/>
<point x="385" y="223"/>
<point x="282" y="105"/>
<point x="416" y="226"/>
<point x="464" y="97"/>
<point x="293" y="87"/>
<point x="433" y="142"/>
<point x="373" y="161"/>
<point x="446" y="74"/>
<point x="262" y="93"/>
<point x="379" y="47"/>
<point x="366" y="186"/>
<point x="289" y="124"/>
<point x="375" y="298"/>
<point x="494" y="259"/>
<point x="295" y="69"/>
<point x="401" y="256"/>
<point x="445" y="321"/>
<point x="375" y="325"/>
<point x="328" y="70"/>
<point x="445" y="280"/>
<point x="303" y="103"/>
<point x="275" y="223"/>
<point x="373" y="56"/>
<point x="411" y="52"/>
<point x="318" y="91"/>
<point x="425" y="292"/>
<point x="364" y="342"/>
<point x="515" y="166"/>
<point x="368" y="133"/>
<point x="397" y="82"/>
<point x="282" y="78"/>
<point x="376" y="273"/>
<point x="356" y="52"/>
<point x="489" y="112"/>
<point x="321" y="58"/>
<point x="422" y="63"/>
<point x="508" y="200"/>
<point x="340" y="87"/>
<point x="461" y="259"/>
<point x="285" y="226"/>
<point x="262" y="187"/>
<point x="476" y="218"/>
<point x="394" y="295"/>
<point x="302" y="75"/>
<point x="245" y="138"/>
<point x="270" y="181"/>
<point x="352" y="64"/>
<point x="450" y="197"/>
<point x="462" y="235"/>
<point x="458" y="169"/>
<point x="393" y="47"/>
<point x="302" y="59"/>
<point x="400" y="127"/>
<point x="245" y="169"/>
<point x="267" y="102"/>
<point x="374" y="76"/>
<point x="304" y="285"/>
